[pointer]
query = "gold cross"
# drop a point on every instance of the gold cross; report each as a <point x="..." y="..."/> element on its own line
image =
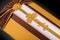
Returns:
<point x="31" y="17"/>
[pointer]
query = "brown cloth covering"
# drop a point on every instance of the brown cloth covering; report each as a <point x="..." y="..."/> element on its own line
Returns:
<point x="4" y="19"/>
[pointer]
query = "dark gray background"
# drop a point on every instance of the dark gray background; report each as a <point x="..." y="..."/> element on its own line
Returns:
<point x="52" y="6"/>
<point x="5" y="36"/>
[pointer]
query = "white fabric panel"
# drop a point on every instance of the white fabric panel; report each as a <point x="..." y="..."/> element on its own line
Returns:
<point x="35" y="25"/>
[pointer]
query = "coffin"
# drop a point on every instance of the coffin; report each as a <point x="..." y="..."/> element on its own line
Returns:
<point x="32" y="22"/>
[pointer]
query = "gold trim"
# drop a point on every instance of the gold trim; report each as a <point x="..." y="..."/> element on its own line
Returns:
<point x="31" y="17"/>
